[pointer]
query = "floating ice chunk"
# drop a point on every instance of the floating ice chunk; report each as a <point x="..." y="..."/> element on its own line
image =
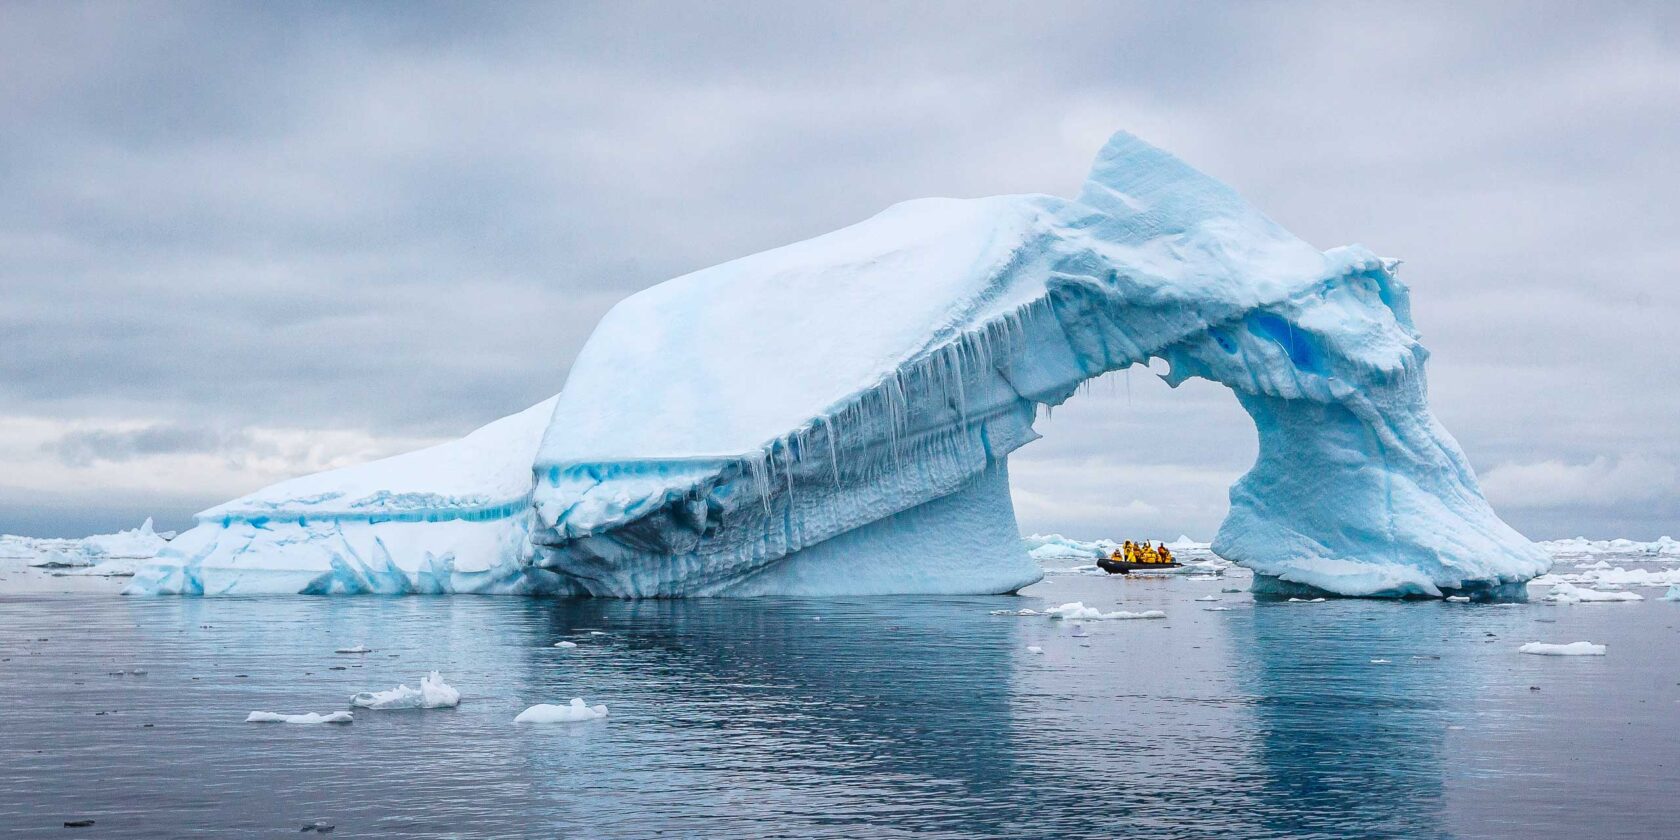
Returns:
<point x="1208" y="598"/>
<point x="355" y="649"/>
<point x="565" y="644"/>
<point x="1078" y="610"/>
<point x="1034" y="649"/>
<point x="311" y="717"/>
<point x="1380" y="662"/>
<point x="1568" y="593"/>
<point x="1571" y="649"/>
<point x="576" y="711"/>
<point x="433" y="693"/>
<point x="1459" y="599"/>
<point x="1673" y="593"/>
<point x="1216" y="609"/>
<point x="1305" y="600"/>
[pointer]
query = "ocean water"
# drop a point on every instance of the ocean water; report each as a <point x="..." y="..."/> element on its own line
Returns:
<point x="924" y="717"/>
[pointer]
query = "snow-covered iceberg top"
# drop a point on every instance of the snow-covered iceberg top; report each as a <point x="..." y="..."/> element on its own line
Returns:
<point x="834" y="417"/>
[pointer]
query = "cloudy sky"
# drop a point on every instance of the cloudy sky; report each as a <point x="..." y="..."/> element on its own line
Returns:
<point x="240" y="242"/>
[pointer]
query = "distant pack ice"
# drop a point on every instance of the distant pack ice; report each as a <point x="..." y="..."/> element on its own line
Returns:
<point x="834" y="417"/>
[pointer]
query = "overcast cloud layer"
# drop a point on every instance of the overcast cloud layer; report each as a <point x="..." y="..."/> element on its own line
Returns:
<point x="240" y="242"/>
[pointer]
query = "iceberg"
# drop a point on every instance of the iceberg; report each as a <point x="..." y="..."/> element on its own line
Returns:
<point x="834" y="417"/>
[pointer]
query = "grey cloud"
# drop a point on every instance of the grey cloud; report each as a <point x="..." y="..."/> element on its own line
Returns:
<point x="86" y="446"/>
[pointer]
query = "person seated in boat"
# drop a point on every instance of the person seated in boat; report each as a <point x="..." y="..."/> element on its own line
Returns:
<point x="1162" y="553"/>
<point x="1125" y="552"/>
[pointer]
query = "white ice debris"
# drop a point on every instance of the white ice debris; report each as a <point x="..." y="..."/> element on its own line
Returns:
<point x="1078" y="610"/>
<point x="1673" y="593"/>
<point x="433" y="693"/>
<point x="1208" y="598"/>
<point x="565" y="644"/>
<point x="359" y="648"/>
<point x="311" y="717"/>
<point x="1565" y="593"/>
<point x="1571" y="649"/>
<point x="576" y="711"/>
<point x="1380" y="662"/>
<point x="1305" y="600"/>
<point x="1459" y="599"/>
<point x="1034" y="649"/>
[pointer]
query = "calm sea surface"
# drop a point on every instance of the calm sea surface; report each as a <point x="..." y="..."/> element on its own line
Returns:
<point x="883" y="717"/>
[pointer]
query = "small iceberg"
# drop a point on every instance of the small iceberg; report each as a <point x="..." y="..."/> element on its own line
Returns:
<point x="1034" y="649"/>
<point x="1305" y="600"/>
<point x="1208" y="598"/>
<point x="1571" y="649"/>
<point x="311" y="717"/>
<point x="1078" y="610"/>
<point x="1381" y="662"/>
<point x="433" y="693"/>
<point x="355" y="649"/>
<point x="576" y="711"/>
<point x="1673" y="593"/>
<point x="565" y="644"/>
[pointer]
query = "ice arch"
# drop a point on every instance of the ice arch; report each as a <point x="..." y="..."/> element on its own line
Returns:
<point x="835" y="417"/>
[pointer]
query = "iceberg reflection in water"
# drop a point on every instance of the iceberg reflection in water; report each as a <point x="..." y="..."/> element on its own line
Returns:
<point x="907" y="715"/>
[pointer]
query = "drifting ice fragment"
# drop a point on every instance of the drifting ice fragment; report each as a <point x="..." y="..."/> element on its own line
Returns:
<point x="311" y="717"/>
<point x="1571" y="649"/>
<point x="565" y="644"/>
<point x="1034" y="649"/>
<point x="355" y="649"/>
<point x="433" y="693"/>
<point x="1673" y="593"/>
<point x="576" y="711"/>
<point x="1078" y="610"/>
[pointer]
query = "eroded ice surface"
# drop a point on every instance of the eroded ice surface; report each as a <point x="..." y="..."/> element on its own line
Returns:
<point x="835" y="417"/>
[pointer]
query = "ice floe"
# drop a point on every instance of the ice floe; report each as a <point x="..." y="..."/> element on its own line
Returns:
<point x="310" y="717"/>
<point x="359" y="648"/>
<point x="573" y="712"/>
<point x="433" y="693"/>
<point x="1571" y="649"/>
<point x="565" y="644"/>
<point x="1566" y="593"/>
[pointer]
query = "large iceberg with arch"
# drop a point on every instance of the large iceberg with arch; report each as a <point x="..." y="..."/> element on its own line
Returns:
<point x="834" y="417"/>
